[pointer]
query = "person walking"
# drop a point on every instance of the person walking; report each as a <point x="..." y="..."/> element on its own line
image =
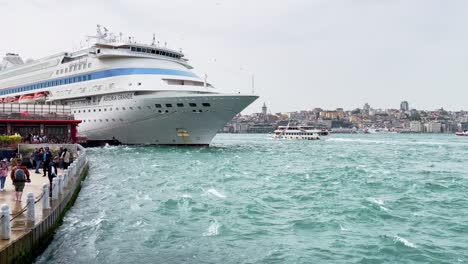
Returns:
<point x="66" y="158"/>
<point x="37" y="158"/>
<point x="47" y="158"/>
<point x="3" y="175"/>
<point x="53" y="172"/>
<point x="19" y="175"/>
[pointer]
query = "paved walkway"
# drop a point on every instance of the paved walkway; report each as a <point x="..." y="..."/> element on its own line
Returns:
<point x="19" y="226"/>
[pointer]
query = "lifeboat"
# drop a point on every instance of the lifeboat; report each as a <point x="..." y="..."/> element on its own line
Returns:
<point x="40" y="97"/>
<point x="462" y="134"/>
<point x="26" y="99"/>
<point x="11" y="99"/>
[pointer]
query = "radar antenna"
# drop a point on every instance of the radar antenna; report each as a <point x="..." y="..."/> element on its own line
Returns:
<point x="154" y="39"/>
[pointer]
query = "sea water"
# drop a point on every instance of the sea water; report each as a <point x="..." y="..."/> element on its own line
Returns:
<point x="376" y="198"/>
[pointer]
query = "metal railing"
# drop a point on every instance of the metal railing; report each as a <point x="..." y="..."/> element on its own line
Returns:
<point x="58" y="184"/>
<point x="35" y="111"/>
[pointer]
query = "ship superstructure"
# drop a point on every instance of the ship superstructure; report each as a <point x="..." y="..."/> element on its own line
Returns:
<point x="126" y="91"/>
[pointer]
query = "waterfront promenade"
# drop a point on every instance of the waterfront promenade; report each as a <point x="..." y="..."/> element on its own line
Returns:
<point x="20" y="225"/>
<point x="28" y="226"/>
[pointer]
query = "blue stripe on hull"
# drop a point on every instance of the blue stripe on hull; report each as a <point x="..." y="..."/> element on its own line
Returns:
<point x="95" y="76"/>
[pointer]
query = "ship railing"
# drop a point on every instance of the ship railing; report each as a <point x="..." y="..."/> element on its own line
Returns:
<point x="35" y="111"/>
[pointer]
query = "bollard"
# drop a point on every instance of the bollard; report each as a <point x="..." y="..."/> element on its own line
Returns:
<point x="60" y="186"/>
<point x="55" y="189"/>
<point x="30" y="213"/>
<point x="45" y="198"/>
<point x="5" y="228"/>
<point x="70" y="170"/>
<point x="66" y="176"/>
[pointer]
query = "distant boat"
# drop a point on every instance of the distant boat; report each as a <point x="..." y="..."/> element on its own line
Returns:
<point x="463" y="134"/>
<point x="26" y="99"/>
<point x="299" y="132"/>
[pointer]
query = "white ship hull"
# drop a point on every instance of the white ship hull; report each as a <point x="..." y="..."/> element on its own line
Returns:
<point x="125" y="91"/>
<point x="178" y="126"/>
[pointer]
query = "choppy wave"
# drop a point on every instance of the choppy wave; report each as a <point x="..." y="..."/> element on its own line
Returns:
<point x="248" y="199"/>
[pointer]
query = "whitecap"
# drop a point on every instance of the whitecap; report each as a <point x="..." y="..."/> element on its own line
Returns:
<point x="377" y="201"/>
<point x="215" y="193"/>
<point x="213" y="229"/>
<point x="343" y="228"/>
<point x="404" y="241"/>
<point x="383" y="208"/>
<point x="188" y="196"/>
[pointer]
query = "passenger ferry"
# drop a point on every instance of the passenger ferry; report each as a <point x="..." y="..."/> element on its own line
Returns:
<point x="123" y="90"/>
<point x="299" y="132"/>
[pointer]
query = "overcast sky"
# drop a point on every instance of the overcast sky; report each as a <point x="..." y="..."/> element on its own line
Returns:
<point x="303" y="53"/>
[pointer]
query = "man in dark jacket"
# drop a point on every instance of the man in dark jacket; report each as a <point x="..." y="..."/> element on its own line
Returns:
<point x="47" y="159"/>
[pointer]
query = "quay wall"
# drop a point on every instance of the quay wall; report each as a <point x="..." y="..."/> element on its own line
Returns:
<point x="34" y="241"/>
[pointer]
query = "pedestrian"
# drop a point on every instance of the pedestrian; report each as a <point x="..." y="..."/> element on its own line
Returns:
<point x="47" y="158"/>
<point x="66" y="158"/>
<point x="19" y="175"/>
<point x="3" y="175"/>
<point x="37" y="158"/>
<point x="13" y="162"/>
<point x="60" y="165"/>
<point x="53" y="172"/>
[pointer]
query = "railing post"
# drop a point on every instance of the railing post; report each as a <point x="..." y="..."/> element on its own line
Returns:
<point x="66" y="176"/>
<point x="5" y="228"/>
<point x="30" y="213"/>
<point x="55" y="188"/>
<point x="60" y="177"/>
<point x="45" y="198"/>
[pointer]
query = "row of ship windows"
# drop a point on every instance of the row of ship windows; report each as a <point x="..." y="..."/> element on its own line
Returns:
<point x="70" y="80"/>
<point x="113" y="119"/>
<point x="73" y="68"/>
<point x="157" y="52"/>
<point x="149" y="107"/>
<point x="300" y="134"/>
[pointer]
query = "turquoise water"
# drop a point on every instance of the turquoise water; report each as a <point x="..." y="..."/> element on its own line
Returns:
<point x="383" y="198"/>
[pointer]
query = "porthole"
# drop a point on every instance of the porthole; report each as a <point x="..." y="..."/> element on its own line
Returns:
<point x="193" y="104"/>
<point x="159" y="111"/>
<point x="131" y="108"/>
<point x="139" y="107"/>
<point x="139" y="83"/>
<point x="180" y="105"/>
<point x="167" y="111"/>
<point x="94" y="110"/>
<point x="123" y="108"/>
<point x="157" y="105"/>
<point x="206" y="104"/>
<point x="168" y="105"/>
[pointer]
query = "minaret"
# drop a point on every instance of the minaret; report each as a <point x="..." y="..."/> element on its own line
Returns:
<point x="264" y="109"/>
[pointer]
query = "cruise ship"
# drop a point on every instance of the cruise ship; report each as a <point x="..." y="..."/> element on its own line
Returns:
<point x="124" y="91"/>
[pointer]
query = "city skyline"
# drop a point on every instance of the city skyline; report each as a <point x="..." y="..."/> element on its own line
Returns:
<point x="397" y="106"/>
<point x="303" y="53"/>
